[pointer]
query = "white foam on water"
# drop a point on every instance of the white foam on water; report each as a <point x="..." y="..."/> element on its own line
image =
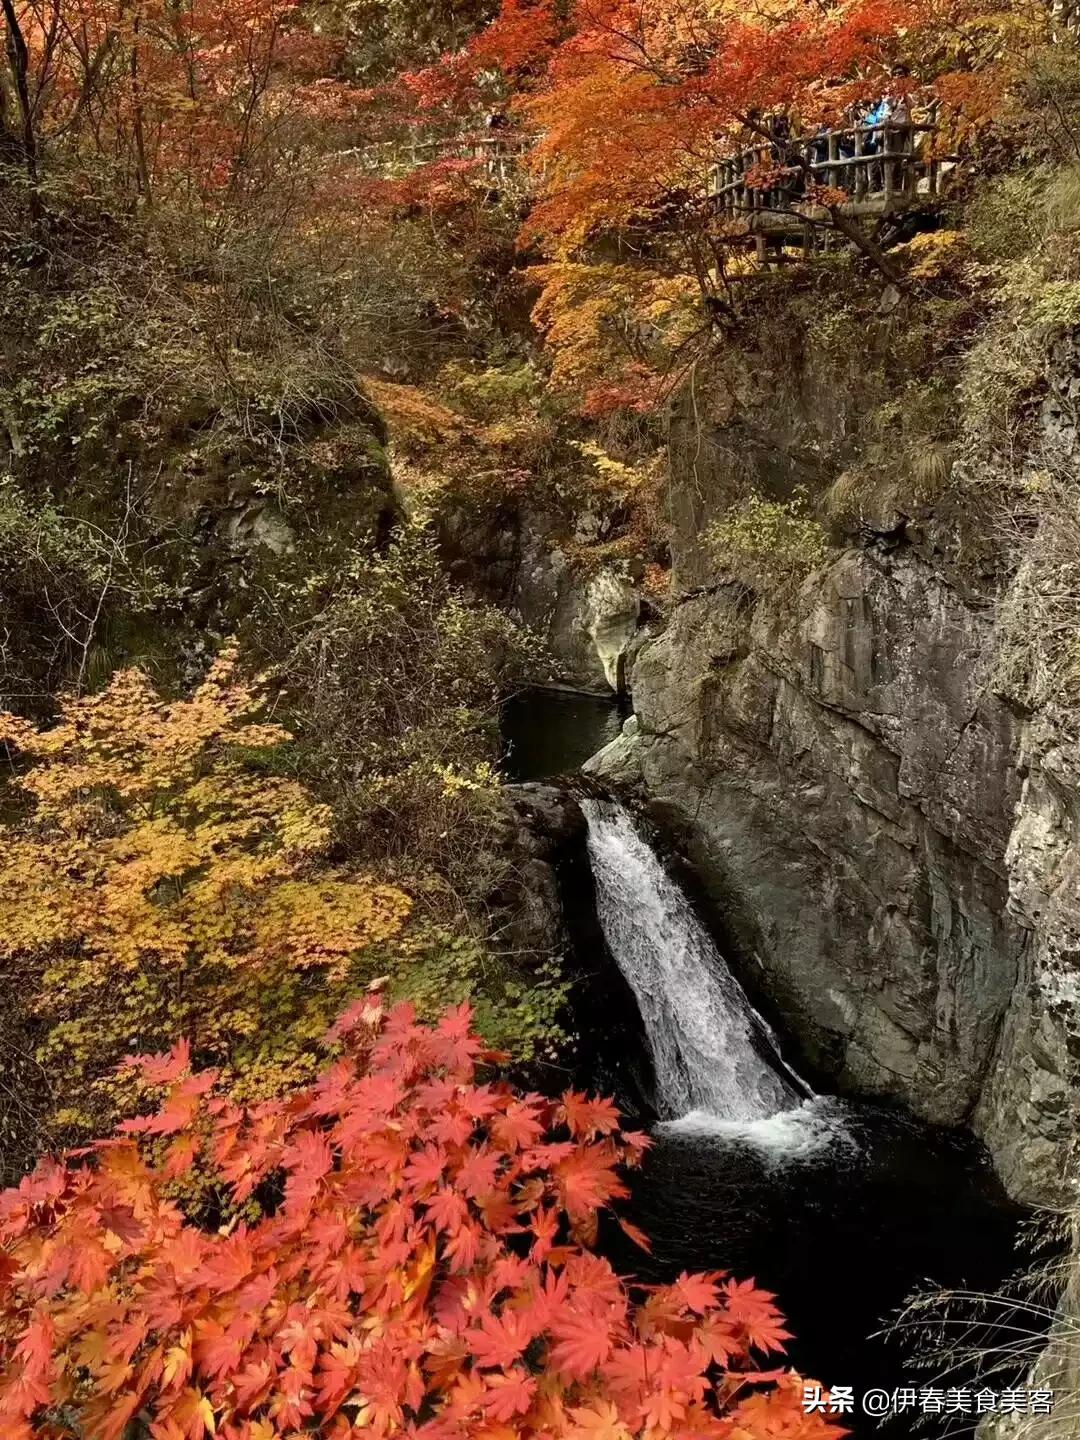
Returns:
<point x="813" y="1127"/>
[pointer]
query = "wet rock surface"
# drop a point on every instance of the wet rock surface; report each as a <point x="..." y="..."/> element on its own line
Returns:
<point x="521" y="557"/>
<point x="544" y="825"/>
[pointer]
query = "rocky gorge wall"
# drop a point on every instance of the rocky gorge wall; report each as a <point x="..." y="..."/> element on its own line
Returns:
<point x="892" y="847"/>
<point x="890" y="836"/>
<point x="517" y="555"/>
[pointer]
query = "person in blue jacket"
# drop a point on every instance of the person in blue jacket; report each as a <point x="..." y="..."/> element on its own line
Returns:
<point x="876" y="115"/>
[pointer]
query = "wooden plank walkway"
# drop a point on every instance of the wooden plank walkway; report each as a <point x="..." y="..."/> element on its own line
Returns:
<point x="497" y="152"/>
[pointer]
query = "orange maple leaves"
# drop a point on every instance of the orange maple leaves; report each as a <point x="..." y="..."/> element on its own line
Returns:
<point x="416" y="1268"/>
<point x="631" y="105"/>
<point x="189" y="98"/>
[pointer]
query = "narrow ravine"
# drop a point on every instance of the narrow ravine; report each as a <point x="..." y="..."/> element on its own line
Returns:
<point x="843" y="1207"/>
<point x="752" y="1171"/>
<point x="717" y="1065"/>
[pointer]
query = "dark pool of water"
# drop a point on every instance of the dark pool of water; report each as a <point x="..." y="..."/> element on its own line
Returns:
<point x="549" y="731"/>
<point x="843" y="1231"/>
<point x="842" y="1236"/>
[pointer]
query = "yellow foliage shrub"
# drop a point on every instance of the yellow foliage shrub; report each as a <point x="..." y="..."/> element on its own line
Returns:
<point x="768" y="543"/>
<point x="937" y="253"/>
<point x="157" y="885"/>
<point x="600" y="319"/>
<point x="414" y="417"/>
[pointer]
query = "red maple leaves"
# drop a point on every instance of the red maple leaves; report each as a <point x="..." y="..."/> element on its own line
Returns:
<point x="414" y="1268"/>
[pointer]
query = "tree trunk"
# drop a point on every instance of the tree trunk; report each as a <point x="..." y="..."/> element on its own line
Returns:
<point x="19" y="61"/>
<point x="854" y="232"/>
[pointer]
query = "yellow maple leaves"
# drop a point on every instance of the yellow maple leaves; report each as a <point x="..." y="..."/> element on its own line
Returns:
<point x="599" y="318"/>
<point x="157" y="884"/>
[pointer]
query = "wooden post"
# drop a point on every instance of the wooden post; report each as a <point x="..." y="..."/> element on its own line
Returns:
<point x="833" y="172"/>
<point x="886" y="164"/>
<point x="907" y="165"/>
<point x="862" y="171"/>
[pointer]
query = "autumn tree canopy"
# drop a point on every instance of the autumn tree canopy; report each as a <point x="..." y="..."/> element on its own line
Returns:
<point x="401" y="1243"/>
<point x="630" y="105"/>
<point x="197" y="98"/>
<point x="417" y="1267"/>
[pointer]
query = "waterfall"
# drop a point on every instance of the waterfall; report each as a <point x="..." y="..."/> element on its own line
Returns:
<point x="714" y="1057"/>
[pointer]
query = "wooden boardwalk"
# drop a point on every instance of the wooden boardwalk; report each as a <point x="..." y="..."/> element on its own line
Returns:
<point x="883" y="169"/>
<point x="498" y="153"/>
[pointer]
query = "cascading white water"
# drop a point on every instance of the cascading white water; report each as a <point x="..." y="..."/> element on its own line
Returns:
<point x="711" y="1051"/>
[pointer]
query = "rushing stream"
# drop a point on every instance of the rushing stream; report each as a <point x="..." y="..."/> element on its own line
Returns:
<point x="842" y="1208"/>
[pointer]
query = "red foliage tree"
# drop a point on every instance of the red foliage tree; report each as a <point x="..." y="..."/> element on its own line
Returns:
<point x="632" y="103"/>
<point x="416" y="1265"/>
<point x="632" y="100"/>
<point x="197" y="98"/>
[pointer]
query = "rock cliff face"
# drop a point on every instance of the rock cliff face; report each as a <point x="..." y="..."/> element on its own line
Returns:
<point x="544" y="824"/>
<point x="517" y="556"/>
<point x="588" y="622"/>
<point x="891" y="839"/>
<point x="892" y="847"/>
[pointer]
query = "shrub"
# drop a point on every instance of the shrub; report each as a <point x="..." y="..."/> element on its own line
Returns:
<point x="420" y="1270"/>
<point x="519" y="1003"/>
<point x="768" y="542"/>
<point x="155" y="884"/>
<point x="66" y="585"/>
<point x="488" y="393"/>
<point x="395" y="682"/>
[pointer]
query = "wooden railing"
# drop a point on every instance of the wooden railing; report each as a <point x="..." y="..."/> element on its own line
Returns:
<point x="496" y="151"/>
<point x="880" y="167"/>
